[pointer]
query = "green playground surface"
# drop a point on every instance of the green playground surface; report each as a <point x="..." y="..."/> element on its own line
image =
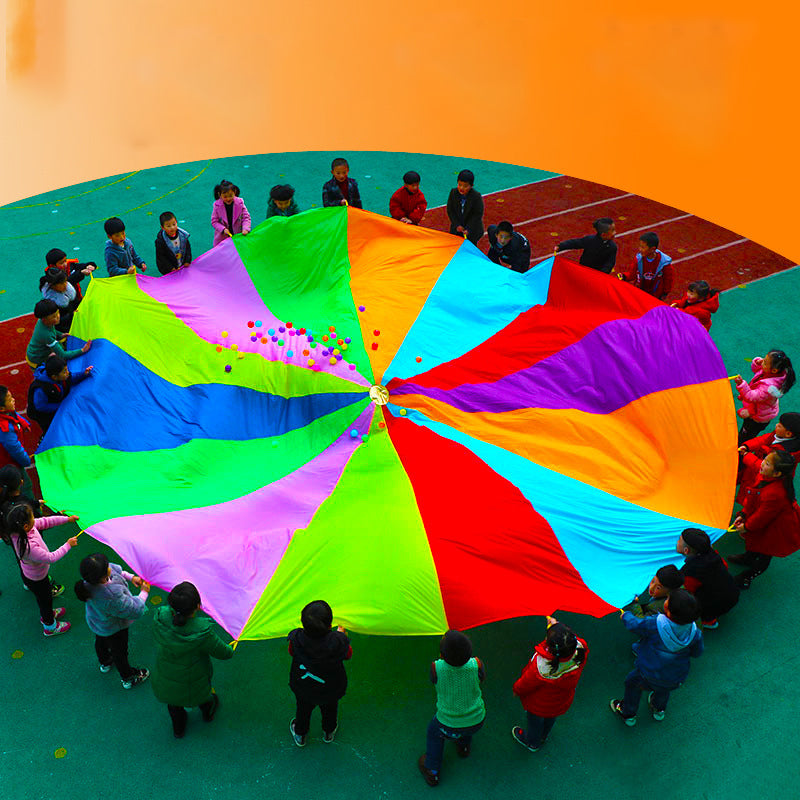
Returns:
<point x="72" y="732"/>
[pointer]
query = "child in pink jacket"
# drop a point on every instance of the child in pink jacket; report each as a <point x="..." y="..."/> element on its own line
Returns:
<point x="229" y="214"/>
<point x="35" y="558"/>
<point x="773" y="377"/>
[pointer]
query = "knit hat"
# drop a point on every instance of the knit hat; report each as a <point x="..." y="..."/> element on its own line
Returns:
<point x="696" y="539"/>
<point x="791" y="421"/>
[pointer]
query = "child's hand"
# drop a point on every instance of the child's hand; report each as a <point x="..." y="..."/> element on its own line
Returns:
<point x="737" y="378"/>
<point x="88" y="270"/>
<point x="743" y="449"/>
<point x="406" y="220"/>
<point x="85" y="348"/>
<point x="88" y="371"/>
<point x="550" y="620"/>
<point x="137" y="581"/>
<point x="73" y="518"/>
<point x="461" y="229"/>
<point x="341" y="629"/>
<point x="673" y="305"/>
<point x="343" y="202"/>
<point x="144" y="585"/>
<point x="72" y="541"/>
<point x="143" y="266"/>
<point x="131" y="270"/>
<point x="227" y="232"/>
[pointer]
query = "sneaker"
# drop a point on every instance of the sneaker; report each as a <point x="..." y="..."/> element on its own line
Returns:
<point x="431" y="778"/>
<point x="57" y="614"/>
<point x="711" y="624"/>
<point x="55" y="589"/>
<point x="299" y="740"/>
<point x="58" y="627"/>
<point x="463" y="748"/>
<point x="106" y="667"/>
<point x="519" y="736"/>
<point x="616" y="707"/>
<point x="138" y="676"/>
<point x="328" y="737"/>
<point x="209" y="715"/>
<point x="742" y="581"/>
<point x="657" y="715"/>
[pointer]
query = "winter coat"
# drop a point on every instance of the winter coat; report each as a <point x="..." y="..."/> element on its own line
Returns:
<point x="663" y="652"/>
<point x="12" y="427"/>
<point x="701" y="310"/>
<point x="121" y="257"/>
<point x="771" y="519"/>
<point x="545" y="694"/>
<point x="405" y="204"/>
<point x="332" y="194"/>
<point x="470" y="217"/>
<point x="758" y="449"/>
<point x="219" y="219"/>
<point x="274" y="211"/>
<point x="760" y="396"/>
<point x="706" y="576"/>
<point x="654" y="277"/>
<point x="515" y="254"/>
<point x="38" y="558"/>
<point x="598" y="253"/>
<point x="317" y="673"/>
<point x="46" y="395"/>
<point x="111" y="606"/>
<point x="166" y="260"/>
<point x="182" y="672"/>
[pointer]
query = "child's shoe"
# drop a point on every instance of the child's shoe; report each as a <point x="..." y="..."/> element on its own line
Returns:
<point x="55" y="589"/>
<point x="431" y="778"/>
<point x="463" y="748"/>
<point x="57" y="614"/>
<point x="657" y="715"/>
<point x="711" y="624"/>
<point x="519" y="736"/>
<point x="56" y="628"/>
<point x="106" y="667"/>
<point x="138" y="676"/>
<point x="328" y="737"/>
<point x="299" y="740"/>
<point x="208" y="715"/>
<point x="616" y="707"/>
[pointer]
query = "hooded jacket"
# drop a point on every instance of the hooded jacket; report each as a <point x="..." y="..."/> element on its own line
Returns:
<point x="663" y="652"/>
<point x="182" y="672"/>
<point x="317" y="673"/>
<point x="515" y="254"/>
<point x="760" y="396"/>
<point x="771" y="519"/>
<point x="702" y="309"/>
<point x="38" y="557"/>
<point x="12" y="428"/>
<point x="166" y="260"/>
<point x="706" y="576"/>
<point x="45" y="395"/>
<point x="111" y="606"/>
<point x="547" y="694"/>
<point x="120" y="257"/>
<point x="758" y="449"/>
<point x="469" y="217"/>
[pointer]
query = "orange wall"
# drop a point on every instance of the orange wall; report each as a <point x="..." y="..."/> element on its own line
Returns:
<point x="688" y="102"/>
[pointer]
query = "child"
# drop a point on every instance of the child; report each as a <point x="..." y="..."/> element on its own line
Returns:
<point x="51" y="384"/>
<point x="121" y="257"/>
<point x="34" y="558"/>
<point x="186" y="644"/>
<point x="652" y="271"/>
<point x="599" y="251"/>
<point x="701" y="301"/>
<point x="786" y="436"/>
<point x="229" y="215"/>
<point x="465" y="208"/>
<point x="341" y="190"/>
<point x="281" y="202"/>
<point x="12" y="427"/>
<point x="548" y="682"/>
<point x="173" y="248"/>
<point x="11" y="486"/>
<point x="110" y="610"/>
<point x="705" y="574"/>
<point x="55" y="286"/>
<point x="773" y="377"/>
<point x="45" y="339"/>
<point x="317" y="675"/>
<point x="668" y="641"/>
<point x="769" y="521"/>
<point x="408" y="204"/>
<point x="651" y="603"/>
<point x="509" y="248"/>
<point x="460" y="710"/>
<point x="76" y="270"/>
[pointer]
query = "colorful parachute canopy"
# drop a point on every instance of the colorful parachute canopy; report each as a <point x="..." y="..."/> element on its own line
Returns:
<point x="546" y="438"/>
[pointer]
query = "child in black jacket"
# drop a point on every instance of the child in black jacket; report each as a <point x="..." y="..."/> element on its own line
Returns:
<point x="317" y="675"/>
<point x="465" y="208"/>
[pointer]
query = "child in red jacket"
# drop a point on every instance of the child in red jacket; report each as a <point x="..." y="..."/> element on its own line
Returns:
<point x="769" y="521"/>
<point x="786" y="436"/>
<point x="548" y="681"/>
<point x="408" y="204"/>
<point x="701" y="301"/>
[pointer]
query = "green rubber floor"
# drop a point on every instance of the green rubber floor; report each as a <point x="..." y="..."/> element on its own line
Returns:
<point x="71" y="732"/>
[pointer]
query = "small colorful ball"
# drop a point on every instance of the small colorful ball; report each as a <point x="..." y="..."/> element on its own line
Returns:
<point x="310" y="362"/>
<point x="224" y="334"/>
<point x="374" y="345"/>
<point x="354" y="433"/>
<point x="219" y="348"/>
<point x="254" y="338"/>
<point x="340" y="341"/>
<point x="364" y="437"/>
<point x="306" y="353"/>
<point x="290" y="353"/>
<point x="336" y="351"/>
<point x="264" y="340"/>
<point x="347" y="340"/>
<point x="381" y="424"/>
<point x="332" y="360"/>
<point x="271" y="331"/>
<point x="292" y="331"/>
<point x="313" y="345"/>
<point x="251" y="324"/>
<point x="301" y="331"/>
<point x="339" y="357"/>
<point x="344" y="347"/>
<point x="362" y="308"/>
<point x="274" y="338"/>
<point x="331" y="328"/>
<point x="280" y="342"/>
<point x="234" y="347"/>
<point x="288" y="324"/>
<point x="281" y="329"/>
<point x="419" y="358"/>
<point x="258" y="323"/>
<point x="325" y="337"/>
<point x="227" y="368"/>
<point x="351" y="366"/>
<point x="310" y="338"/>
<point x="241" y="355"/>
<point x="403" y="412"/>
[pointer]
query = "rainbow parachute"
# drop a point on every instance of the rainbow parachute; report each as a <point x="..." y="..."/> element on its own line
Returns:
<point x="546" y="436"/>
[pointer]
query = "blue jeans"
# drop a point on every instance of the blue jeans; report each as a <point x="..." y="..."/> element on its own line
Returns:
<point x="635" y="684"/>
<point x="437" y="733"/>
<point x="538" y="729"/>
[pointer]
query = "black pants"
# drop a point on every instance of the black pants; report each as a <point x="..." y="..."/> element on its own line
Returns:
<point x="750" y="429"/>
<point x="44" y="598"/>
<point x="180" y="717"/>
<point x="756" y="563"/>
<point x="114" y="649"/>
<point x="302" y="719"/>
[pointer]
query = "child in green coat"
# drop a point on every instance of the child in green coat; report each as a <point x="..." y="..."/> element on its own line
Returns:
<point x="186" y="644"/>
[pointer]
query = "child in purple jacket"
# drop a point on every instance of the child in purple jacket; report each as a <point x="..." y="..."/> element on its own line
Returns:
<point x="229" y="214"/>
<point x="22" y="532"/>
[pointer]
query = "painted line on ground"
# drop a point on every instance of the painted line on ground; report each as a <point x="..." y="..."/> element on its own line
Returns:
<point x="710" y="250"/>
<point x="510" y="188"/>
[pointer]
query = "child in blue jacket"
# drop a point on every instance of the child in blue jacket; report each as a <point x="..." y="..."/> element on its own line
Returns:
<point x="667" y="643"/>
